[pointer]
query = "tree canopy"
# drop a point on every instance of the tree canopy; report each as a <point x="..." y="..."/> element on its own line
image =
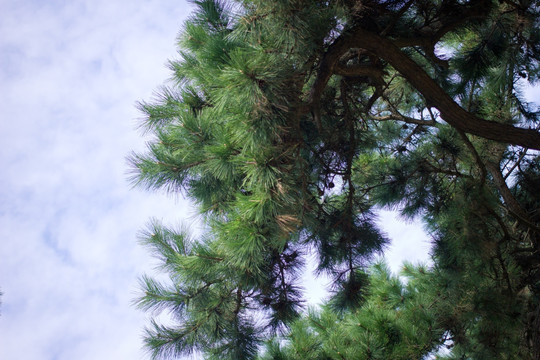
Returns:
<point x="290" y="123"/>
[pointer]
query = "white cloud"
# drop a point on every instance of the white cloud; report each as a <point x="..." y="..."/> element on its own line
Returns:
<point x="409" y="242"/>
<point x="70" y="73"/>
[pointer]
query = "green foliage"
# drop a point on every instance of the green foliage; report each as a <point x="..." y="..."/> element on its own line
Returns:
<point x="379" y="329"/>
<point x="290" y="123"/>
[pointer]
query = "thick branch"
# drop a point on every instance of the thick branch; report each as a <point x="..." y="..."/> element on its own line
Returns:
<point x="358" y="70"/>
<point x="436" y="97"/>
<point x="450" y="111"/>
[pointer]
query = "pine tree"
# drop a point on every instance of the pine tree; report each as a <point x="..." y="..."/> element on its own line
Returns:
<point x="290" y="123"/>
<point x="397" y="320"/>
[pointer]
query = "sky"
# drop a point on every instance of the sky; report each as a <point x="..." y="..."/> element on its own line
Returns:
<point x="71" y="73"/>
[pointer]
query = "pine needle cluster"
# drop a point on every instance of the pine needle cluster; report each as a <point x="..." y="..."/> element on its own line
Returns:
<point x="289" y="123"/>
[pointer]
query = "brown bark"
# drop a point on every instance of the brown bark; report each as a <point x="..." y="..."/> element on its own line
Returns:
<point x="435" y="96"/>
<point x="358" y="70"/>
<point x="450" y="111"/>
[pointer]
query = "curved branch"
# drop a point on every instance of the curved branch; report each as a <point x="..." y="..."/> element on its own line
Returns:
<point x="358" y="70"/>
<point x="435" y="96"/>
<point x="450" y="111"/>
<point x="511" y="203"/>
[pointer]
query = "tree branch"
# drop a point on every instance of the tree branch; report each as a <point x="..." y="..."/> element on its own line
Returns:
<point x="511" y="203"/>
<point x="407" y="119"/>
<point x="435" y="96"/>
<point x="358" y="70"/>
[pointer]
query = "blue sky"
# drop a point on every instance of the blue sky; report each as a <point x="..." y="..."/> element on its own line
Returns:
<point x="70" y="74"/>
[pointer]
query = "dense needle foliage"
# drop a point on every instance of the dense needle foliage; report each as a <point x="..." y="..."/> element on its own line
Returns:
<point x="291" y="122"/>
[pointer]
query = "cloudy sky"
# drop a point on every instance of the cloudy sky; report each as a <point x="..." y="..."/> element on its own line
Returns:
<point x="70" y="74"/>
